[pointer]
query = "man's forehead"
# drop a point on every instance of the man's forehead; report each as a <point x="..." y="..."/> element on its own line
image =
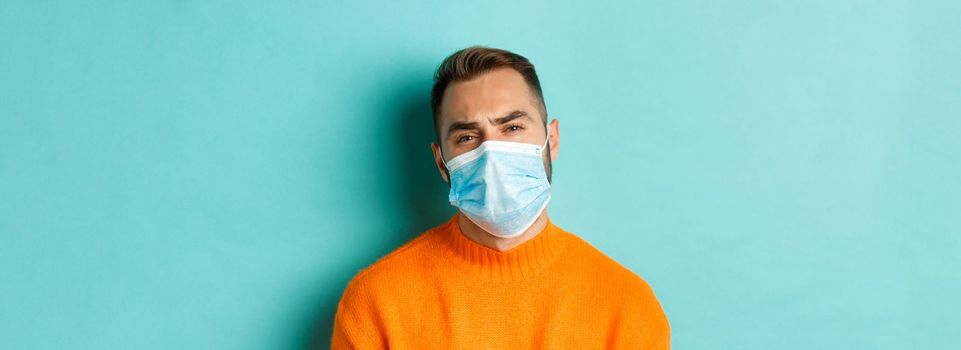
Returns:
<point x="506" y="115"/>
<point x="486" y="96"/>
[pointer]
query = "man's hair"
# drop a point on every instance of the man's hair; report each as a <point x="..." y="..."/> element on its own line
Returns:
<point x="476" y="60"/>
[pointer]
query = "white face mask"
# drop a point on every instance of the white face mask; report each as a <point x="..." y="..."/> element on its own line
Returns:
<point x="500" y="186"/>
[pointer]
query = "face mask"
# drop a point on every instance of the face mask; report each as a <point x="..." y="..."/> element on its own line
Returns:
<point x="500" y="186"/>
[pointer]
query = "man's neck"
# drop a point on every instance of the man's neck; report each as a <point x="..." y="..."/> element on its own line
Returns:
<point x="479" y="236"/>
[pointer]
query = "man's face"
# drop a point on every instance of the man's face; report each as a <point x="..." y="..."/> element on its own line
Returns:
<point x="497" y="105"/>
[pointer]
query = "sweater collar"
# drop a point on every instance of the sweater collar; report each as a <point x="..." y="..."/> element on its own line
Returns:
<point x="524" y="260"/>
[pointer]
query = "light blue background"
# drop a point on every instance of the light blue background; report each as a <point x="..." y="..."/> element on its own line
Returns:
<point x="209" y="175"/>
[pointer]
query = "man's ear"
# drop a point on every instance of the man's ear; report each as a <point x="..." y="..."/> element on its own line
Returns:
<point x="439" y="161"/>
<point x="555" y="138"/>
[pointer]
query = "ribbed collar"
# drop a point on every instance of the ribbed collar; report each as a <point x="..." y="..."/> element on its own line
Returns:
<point x="524" y="260"/>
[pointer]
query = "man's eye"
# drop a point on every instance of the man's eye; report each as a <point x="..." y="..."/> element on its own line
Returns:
<point x="514" y="128"/>
<point x="465" y="138"/>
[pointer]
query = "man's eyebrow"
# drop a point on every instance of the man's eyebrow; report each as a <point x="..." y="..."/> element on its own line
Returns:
<point x="511" y="116"/>
<point x="455" y="126"/>
<point x="461" y="126"/>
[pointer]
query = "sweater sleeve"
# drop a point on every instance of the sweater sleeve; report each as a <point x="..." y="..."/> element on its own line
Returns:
<point x="356" y="322"/>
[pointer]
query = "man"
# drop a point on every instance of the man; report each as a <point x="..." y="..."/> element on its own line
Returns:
<point x="499" y="274"/>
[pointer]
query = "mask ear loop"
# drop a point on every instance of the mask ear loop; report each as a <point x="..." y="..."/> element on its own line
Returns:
<point x="548" y="138"/>
<point x="446" y="169"/>
<point x="441" y="149"/>
<point x="546" y="147"/>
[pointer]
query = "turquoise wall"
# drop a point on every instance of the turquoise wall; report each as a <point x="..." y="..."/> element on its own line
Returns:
<point x="209" y="175"/>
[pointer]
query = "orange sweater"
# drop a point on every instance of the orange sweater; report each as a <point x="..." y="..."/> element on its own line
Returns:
<point x="443" y="291"/>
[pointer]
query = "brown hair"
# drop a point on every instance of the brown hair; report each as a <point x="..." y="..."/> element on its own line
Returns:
<point x="476" y="60"/>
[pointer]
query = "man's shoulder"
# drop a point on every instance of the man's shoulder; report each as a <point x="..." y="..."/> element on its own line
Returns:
<point x="605" y="269"/>
<point x="622" y="290"/>
<point x="401" y="264"/>
<point x="380" y="284"/>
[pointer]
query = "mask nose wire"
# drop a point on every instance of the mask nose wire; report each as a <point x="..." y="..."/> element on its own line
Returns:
<point x="543" y="147"/>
